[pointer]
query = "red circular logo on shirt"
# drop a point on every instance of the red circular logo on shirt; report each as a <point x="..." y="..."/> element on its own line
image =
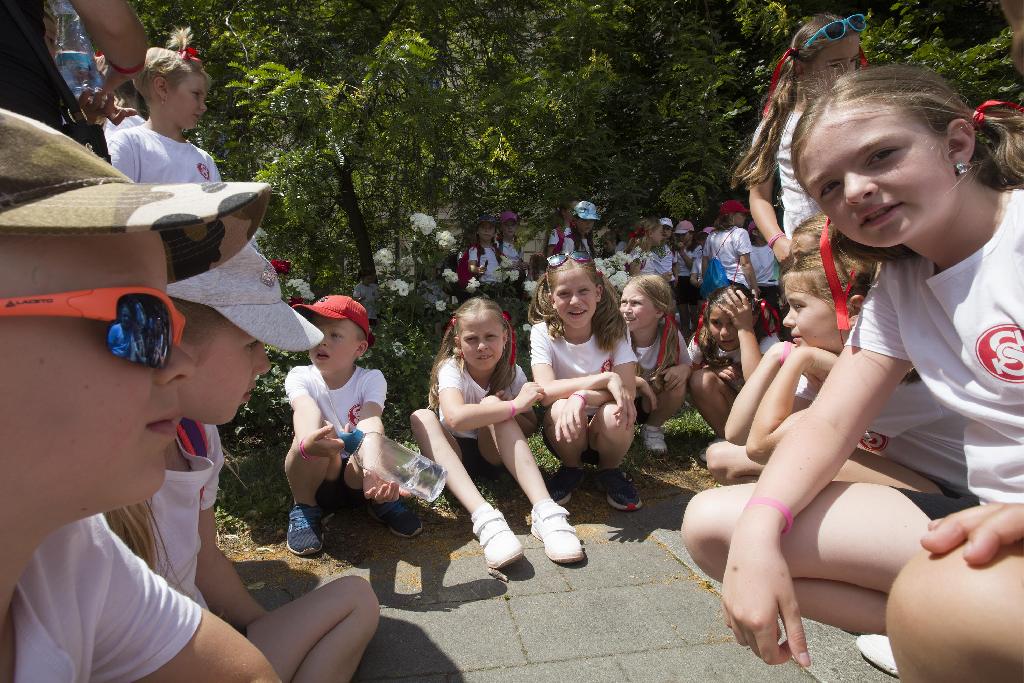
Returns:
<point x="1001" y="350"/>
<point x="607" y="365"/>
<point x="874" y="442"/>
<point x="203" y="170"/>
<point x="353" y="413"/>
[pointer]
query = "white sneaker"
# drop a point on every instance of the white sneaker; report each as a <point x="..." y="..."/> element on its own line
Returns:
<point x="877" y="650"/>
<point x="501" y="547"/>
<point x="654" y="439"/>
<point x="550" y="525"/>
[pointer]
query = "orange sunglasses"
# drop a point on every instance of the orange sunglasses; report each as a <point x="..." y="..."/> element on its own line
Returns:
<point x="144" y="323"/>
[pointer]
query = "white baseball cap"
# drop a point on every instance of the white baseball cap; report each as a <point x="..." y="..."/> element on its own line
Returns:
<point x="245" y="290"/>
<point x="667" y="222"/>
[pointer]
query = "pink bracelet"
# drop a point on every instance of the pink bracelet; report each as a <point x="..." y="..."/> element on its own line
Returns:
<point x="778" y="505"/>
<point x="580" y="397"/>
<point x="775" y="238"/>
<point x="786" y="348"/>
<point x="302" y="451"/>
<point x="511" y="409"/>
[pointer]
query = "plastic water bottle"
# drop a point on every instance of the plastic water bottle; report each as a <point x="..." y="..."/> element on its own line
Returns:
<point x="419" y="475"/>
<point x="74" y="50"/>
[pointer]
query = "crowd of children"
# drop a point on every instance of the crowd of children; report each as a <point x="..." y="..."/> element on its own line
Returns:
<point x="870" y="429"/>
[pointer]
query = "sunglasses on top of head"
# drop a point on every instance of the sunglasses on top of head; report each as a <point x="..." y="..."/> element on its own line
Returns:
<point x="556" y="260"/>
<point x="144" y="324"/>
<point x="834" y="30"/>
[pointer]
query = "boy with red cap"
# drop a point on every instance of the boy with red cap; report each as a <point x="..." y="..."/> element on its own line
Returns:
<point x="331" y="396"/>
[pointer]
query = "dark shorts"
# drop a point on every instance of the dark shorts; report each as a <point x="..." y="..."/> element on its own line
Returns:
<point x="337" y="495"/>
<point x="641" y="414"/>
<point x="939" y="505"/>
<point x="473" y="460"/>
<point x="589" y="455"/>
<point x="686" y="291"/>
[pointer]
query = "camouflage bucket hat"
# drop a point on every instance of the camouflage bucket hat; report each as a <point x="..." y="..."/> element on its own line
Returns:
<point x="51" y="185"/>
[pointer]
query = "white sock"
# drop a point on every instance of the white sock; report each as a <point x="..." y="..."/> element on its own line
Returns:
<point x="480" y="510"/>
<point x="543" y="502"/>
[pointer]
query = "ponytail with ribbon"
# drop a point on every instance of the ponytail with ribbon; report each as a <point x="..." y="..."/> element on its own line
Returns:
<point x="979" y="113"/>
<point x="840" y="294"/>
<point x="791" y="54"/>
<point x="190" y="54"/>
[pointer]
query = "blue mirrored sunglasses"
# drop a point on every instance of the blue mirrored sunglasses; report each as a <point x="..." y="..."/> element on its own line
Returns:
<point x="556" y="260"/>
<point x="834" y="30"/>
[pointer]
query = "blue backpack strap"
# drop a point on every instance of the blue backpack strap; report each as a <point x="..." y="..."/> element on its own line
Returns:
<point x="192" y="438"/>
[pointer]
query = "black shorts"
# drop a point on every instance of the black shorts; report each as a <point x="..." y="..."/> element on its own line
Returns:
<point x="473" y="460"/>
<point x="641" y="414"/>
<point x="686" y="291"/>
<point x="939" y="505"/>
<point x="337" y="495"/>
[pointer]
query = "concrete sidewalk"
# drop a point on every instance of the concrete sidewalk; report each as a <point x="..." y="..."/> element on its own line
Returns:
<point x="633" y="611"/>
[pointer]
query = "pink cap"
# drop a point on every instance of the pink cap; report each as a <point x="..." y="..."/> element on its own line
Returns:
<point x="509" y="216"/>
<point x="683" y="227"/>
<point x="710" y="229"/>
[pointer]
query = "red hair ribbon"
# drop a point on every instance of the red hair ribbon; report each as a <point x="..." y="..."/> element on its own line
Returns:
<point x="190" y="54"/>
<point x="791" y="53"/>
<point x="639" y="232"/>
<point x="512" y="332"/>
<point x="979" y="113"/>
<point x="768" y="317"/>
<point x="700" y="318"/>
<point x="863" y="59"/>
<point x="669" y="327"/>
<point x="839" y="294"/>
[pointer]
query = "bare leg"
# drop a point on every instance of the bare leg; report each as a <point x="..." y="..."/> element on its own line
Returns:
<point x="611" y="441"/>
<point x="669" y="403"/>
<point x="952" y="622"/>
<point x="438" y="445"/>
<point x="305" y="476"/>
<point x="875" y="469"/>
<point x="712" y="398"/>
<point x="509" y="443"/>
<point x="568" y="452"/>
<point x="844" y="551"/>
<point x="321" y="635"/>
<point x="729" y="464"/>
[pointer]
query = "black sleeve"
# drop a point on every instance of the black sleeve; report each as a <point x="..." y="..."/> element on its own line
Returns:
<point x="25" y="86"/>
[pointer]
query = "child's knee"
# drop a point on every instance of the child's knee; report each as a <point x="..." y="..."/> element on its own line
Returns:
<point x="609" y="419"/>
<point x="700" y="529"/>
<point x="419" y="420"/>
<point x="719" y="461"/>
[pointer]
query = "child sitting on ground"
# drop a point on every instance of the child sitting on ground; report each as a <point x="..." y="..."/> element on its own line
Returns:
<point x="724" y="352"/>
<point x="329" y="397"/>
<point x="477" y="389"/>
<point x="663" y="364"/>
<point x="230" y="313"/>
<point x="582" y="358"/>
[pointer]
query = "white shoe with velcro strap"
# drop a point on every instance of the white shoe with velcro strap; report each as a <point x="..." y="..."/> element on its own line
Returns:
<point x="501" y="547"/>
<point x="551" y="525"/>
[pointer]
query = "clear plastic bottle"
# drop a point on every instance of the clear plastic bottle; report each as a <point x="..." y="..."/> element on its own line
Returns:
<point x="391" y="461"/>
<point x="75" y="51"/>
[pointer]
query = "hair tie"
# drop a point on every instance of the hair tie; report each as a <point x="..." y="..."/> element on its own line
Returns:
<point x="863" y="58"/>
<point x="512" y="332"/>
<point x="835" y="287"/>
<point x="449" y="326"/>
<point x="189" y="54"/>
<point x="979" y="114"/>
<point x="791" y="53"/>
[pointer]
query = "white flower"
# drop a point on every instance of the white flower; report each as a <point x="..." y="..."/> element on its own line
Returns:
<point x="529" y="286"/>
<point x="301" y="287"/>
<point x="407" y="265"/>
<point x="526" y="327"/>
<point x="450" y="275"/>
<point x="472" y="285"/>
<point x="440" y="305"/>
<point x="424" y="223"/>
<point x="445" y="239"/>
<point x="621" y="258"/>
<point x="605" y="266"/>
<point x="384" y="259"/>
<point x="500" y="275"/>
<point x="619" y="279"/>
<point x="512" y="275"/>
<point x="398" y="349"/>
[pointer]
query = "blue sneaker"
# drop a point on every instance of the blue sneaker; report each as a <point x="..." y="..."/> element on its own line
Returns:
<point x="563" y="483"/>
<point x="399" y="519"/>
<point x="305" y="530"/>
<point x="619" y="490"/>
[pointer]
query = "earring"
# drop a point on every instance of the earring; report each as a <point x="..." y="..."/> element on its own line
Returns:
<point x="960" y="167"/>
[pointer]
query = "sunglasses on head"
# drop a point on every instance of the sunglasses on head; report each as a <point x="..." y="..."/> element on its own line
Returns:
<point x="834" y="30"/>
<point x="144" y="324"/>
<point x="556" y="260"/>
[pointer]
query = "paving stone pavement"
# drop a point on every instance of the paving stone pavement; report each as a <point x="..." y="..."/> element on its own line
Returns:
<point x="635" y="610"/>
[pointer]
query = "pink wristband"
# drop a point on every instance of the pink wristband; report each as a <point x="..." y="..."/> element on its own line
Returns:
<point x="580" y="397"/>
<point x="775" y="238"/>
<point x="302" y="451"/>
<point x="511" y="409"/>
<point x="786" y="348"/>
<point x="778" y="505"/>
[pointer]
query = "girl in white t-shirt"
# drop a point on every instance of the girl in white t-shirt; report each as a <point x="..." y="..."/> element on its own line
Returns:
<point x="812" y="55"/>
<point x="582" y="358"/>
<point x="663" y="365"/>
<point x="174" y="85"/>
<point x="724" y="352"/>
<point x="651" y="253"/>
<point x="484" y="412"/>
<point x="909" y="181"/>
<point x="730" y="244"/>
<point x="483" y="256"/>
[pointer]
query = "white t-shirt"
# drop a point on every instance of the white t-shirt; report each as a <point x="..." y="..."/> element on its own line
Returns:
<point x="176" y="508"/>
<point x="963" y="329"/>
<point x="367" y="295"/>
<point x="647" y="356"/>
<point x="763" y="260"/>
<point x="798" y="205"/>
<point x="698" y="261"/>
<point x="917" y="432"/>
<point x="87" y="609"/>
<point x="450" y="376"/>
<point x="697" y="356"/>
<point x="488" y="261"/>
<point x="683" y="270"/>
<point x="727" y="246"/>
<point x="509" y="251"/>
<point x="568" y="243"/>
<point x="109" y="127"/>
<point x="339" y="405"/>
<point x="657" y="262"/>
<point x="146" y="156"/>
